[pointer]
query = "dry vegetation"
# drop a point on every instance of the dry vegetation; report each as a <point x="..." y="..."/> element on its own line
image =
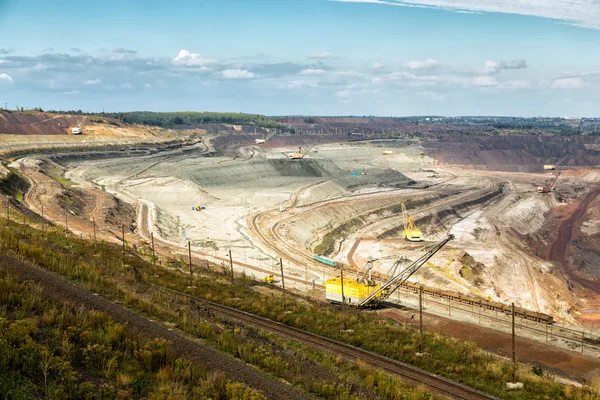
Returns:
<point x="129" y="279"/>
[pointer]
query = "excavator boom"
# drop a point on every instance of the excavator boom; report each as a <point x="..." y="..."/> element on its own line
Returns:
<point x="389" y="287"/>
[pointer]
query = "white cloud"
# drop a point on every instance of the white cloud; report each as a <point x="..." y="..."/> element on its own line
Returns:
<point x="377" y="65"/>
<point x="39" y="67"/>
<point x="409" y="79"/>
<point x="319" y="56"/>
<point x="188" y="59"/>
<point x="485" y="81"/>
<point x="237" y="74"/>
<point x="6" y="78"/>
<point x="433" y="96"/>
<point x="492" y="66"/>
<point x="582" y="13"/>
<point x="299" y="85"/>
<point x="147" y="85"/>
<point x="567" y="83"/>
<point x="93" y="82"/>
<point x="425" y="64"/>
<point x="516" y="84"/>
<point x="349" y="74"/>
<point x="72" y="92"/>
<point x="127" y="85"/>
<point x="311" y="71"/>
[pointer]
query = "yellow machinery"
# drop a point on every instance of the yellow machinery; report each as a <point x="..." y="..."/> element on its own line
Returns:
<point x="387" y="152"/>
<point x="365" y="292"/>
<point x="354" y="292"/>
<point x="410" y="232"/>
<point x="301" y="153"/>
<point x="549" y="167"/>
<point x="269" y="279"/>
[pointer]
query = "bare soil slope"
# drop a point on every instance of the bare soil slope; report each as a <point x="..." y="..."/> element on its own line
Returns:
<point x="516" y="153"/>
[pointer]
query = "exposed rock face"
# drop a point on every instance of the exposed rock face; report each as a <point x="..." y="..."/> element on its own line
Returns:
<point x="521" y="153"/>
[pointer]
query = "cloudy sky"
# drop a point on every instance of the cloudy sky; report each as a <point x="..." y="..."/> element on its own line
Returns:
<point x="311" y="57"/>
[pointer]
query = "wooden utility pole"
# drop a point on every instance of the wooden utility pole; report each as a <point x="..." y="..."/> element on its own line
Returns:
<point x="94" y="222"/>
<point x="514" y="352"/>
<point x="231" y="266"/>
<point x="123" y="237"/>
<point x="43" y="220"/>
<point x="282" y="283"/>
<point x="66" y="224"/>
<point x="421" y="319"/>
<point x="8" y="211"/>
<point x="342" y="285"/>
<point x="281" y="269"/>
<point x="153" y="253"/>
<point x="190" y="261"/>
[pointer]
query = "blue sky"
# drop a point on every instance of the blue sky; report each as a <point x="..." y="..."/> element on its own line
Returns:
<point x="313" y="57"/>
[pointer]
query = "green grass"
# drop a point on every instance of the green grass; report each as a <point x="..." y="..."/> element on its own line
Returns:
<point x="14" y="184"/>
<point x="55" y="350"/>
<point x="102" y="272"/>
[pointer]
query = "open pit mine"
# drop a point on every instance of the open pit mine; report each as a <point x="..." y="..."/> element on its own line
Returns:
<point x="308" y="207"/>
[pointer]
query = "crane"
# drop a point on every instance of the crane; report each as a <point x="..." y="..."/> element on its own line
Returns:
<point x="547" y="188"/>
<point x="79" y="129"/>
<point x="266" y="139"/>
<point x="388" y="288"/>
<point x="553" y="166"/>
<point x="301" y="153"/>
<point x="411" y="232"/>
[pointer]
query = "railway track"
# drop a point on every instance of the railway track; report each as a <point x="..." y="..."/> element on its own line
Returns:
<point x="435" y="383"/>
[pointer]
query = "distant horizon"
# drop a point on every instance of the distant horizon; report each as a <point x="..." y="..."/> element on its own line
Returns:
<point x="74" y="110"/>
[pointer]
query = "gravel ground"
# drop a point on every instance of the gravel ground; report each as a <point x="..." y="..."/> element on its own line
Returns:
<point x="57" y="288"/>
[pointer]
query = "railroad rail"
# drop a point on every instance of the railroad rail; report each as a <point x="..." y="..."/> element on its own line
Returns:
<point x="416" y="375"/>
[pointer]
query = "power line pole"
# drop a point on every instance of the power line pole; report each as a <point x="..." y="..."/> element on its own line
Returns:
<point x="66" y="224"/>
<point x="123" y="237"/>
<point x="231" y="266"/>
<point x="153" y="254"/>
<point x="282" y="283"/>
<point x="190" y="261"/>
<point x="342" y="285"/>
<point x="94" y="222"/>
<point x="281" y="269"/>
<point x="514" y="352"/>
<point x="421" y="319"/>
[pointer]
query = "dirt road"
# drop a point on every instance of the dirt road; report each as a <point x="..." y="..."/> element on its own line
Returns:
<point x="556" y="251"/>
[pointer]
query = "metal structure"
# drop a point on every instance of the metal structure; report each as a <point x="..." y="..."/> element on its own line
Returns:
<point x="266" y="139"/>
<point x="301" y="153"/>
<point x="389" y="287"/>
<point x="547" y="188"/>
<point x="325" y="260"/>
<point x="78" y="130"/>
<point x="411" y="232"/>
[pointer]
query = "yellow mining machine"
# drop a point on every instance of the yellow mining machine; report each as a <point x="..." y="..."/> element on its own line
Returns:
<point x="410" y="232"/>
<point x="387" y="152"/>
<point x="300" y="154"/>
<point x="269" y="279"/>
<point x="365" y="293"/>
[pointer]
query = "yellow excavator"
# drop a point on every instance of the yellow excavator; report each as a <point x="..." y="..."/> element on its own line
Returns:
<point x="410" y="232"/>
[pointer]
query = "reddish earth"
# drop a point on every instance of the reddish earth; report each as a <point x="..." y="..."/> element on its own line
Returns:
<point x="557" y="250"/>
<point x="17" y="123"/>
<point x="515" y="153"/>
<point x="559" y="361"/>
